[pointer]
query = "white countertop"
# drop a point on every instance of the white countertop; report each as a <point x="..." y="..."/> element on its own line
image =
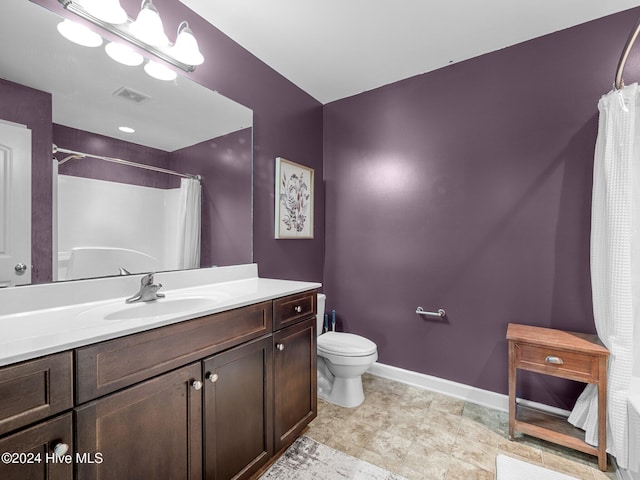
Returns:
<point x="30" y="334"/>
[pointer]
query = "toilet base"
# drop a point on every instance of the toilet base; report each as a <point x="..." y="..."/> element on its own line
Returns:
<point x="346" y="392"/>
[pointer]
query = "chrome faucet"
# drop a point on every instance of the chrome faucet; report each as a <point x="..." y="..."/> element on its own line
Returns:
<point x="148" y="290"/>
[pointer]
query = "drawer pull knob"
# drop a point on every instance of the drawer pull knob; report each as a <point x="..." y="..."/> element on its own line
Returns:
<point x="553" y="360"/>
<point x="212" y="377"/>
<point x="298" y="309"/>
<point x="197" y="384"/>
<point x="280" y="346"/>
<point x="60" y="449"/>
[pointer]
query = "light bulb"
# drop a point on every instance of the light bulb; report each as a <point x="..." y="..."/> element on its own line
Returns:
<point x="186" y="48"/>
<point x="159" y="71"/>
<point x="79" y="34"/>
<point x="123" y="54"/>
<point x="148" y="26"/>
<point x="108" y="11"/>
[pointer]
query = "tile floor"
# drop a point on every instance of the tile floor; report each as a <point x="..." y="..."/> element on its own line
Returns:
<point x="424" y="435"/>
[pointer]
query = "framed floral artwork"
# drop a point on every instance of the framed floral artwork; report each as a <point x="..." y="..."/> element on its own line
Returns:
<point x="294" y="200"/>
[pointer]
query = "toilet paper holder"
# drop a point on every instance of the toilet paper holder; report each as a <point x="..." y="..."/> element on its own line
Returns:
<point x="439" y="314"/>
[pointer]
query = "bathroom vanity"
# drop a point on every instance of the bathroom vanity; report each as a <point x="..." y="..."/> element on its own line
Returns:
<point x="215" y="395"/>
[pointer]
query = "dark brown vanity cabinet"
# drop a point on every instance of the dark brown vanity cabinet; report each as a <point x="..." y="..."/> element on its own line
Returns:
<point x="214" y="397"/>
<point x="32" y="429"/>
<point x="295" y="380"/>
<point x="238" y="405"/>
<point x="150" y="430"/>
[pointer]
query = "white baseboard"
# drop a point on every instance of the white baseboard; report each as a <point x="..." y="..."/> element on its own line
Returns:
<point x="486" y="398"/>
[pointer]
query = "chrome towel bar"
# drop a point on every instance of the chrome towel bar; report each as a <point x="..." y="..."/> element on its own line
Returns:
<point x="439" y="314"/>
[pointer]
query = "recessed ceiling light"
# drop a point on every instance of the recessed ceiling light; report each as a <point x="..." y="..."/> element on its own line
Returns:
<point x="126" y="129"/>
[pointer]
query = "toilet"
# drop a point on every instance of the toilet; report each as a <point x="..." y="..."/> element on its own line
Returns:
<point x="342" y="359"/>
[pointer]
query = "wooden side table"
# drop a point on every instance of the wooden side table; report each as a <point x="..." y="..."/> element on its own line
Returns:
<point x="575" y="356"/>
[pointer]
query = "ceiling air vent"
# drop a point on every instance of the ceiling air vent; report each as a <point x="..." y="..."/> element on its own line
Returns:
<point x="131" y="95"/>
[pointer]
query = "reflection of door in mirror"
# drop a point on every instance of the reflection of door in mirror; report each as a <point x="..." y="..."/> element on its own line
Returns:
<point x="15" y="204"/>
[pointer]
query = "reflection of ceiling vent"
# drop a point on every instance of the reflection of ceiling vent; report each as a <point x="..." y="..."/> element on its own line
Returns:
<point x="131" y="95"/>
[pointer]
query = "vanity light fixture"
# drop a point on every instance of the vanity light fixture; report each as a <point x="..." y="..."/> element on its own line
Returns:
<point x="146" y="32"/>
<point x="123" y="54"/>
<point x="186" y="47"/>
<point x="159" y="71"/>
<point x="148" y="26"/>
<point x="79" y="34"/>
<point x="108" y="11"/>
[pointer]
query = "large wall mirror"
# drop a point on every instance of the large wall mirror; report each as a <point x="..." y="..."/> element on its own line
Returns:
<point x="108" y="218"/>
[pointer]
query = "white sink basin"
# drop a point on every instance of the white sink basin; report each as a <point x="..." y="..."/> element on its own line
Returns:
<point x="160" y="307"/>
<point x="154" y="309"/>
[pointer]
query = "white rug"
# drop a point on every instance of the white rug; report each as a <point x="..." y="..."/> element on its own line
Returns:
<point x="508" y="468"/>
<point x="308" y="459"/>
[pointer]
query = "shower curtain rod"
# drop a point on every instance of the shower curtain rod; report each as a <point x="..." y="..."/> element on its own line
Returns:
<point x="74" y="154"/>
<point x="618" y="83"/>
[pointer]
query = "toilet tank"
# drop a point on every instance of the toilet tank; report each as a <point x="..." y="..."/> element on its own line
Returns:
<point x="322" y="298"/>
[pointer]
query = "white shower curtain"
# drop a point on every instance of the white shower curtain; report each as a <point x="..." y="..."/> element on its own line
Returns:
<point x="615" y="263"/>
<point x="188" y="231"/>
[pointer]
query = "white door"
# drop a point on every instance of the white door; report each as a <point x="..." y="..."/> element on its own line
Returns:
<point x="15" y="204"/>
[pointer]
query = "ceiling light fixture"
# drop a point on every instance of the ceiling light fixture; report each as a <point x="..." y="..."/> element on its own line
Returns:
<point x="79" y="34"/>
<point x="146" y="32"/>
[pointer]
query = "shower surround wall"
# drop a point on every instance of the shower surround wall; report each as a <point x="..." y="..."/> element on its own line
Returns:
<point x="469" y="189"/>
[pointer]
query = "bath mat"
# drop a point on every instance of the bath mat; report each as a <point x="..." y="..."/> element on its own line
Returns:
<point x="508" y="468"/>
<point x="308" y="459"/>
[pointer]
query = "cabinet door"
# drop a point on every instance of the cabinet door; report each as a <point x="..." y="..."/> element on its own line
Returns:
<point x="238" y="406"/>
<point x="295" y="380"/>
<point x="35" y="446"/>
<point x="151" y="430"/>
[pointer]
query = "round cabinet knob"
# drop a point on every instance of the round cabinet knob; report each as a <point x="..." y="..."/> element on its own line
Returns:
<point x="212" y="377"/>
<point x="20" y="268"/>
<point x="298" y="309"/>
<point x="280" y="346"/>
<point x="197" y="384"/>
<point x="60" y="449"/>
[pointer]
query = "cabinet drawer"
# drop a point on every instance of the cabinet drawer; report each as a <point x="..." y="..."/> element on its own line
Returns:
<point x="36" y="389"/>
<point x="292" y="309"/>
<point x="109" y="366"/>
<point x="561" y="363"/>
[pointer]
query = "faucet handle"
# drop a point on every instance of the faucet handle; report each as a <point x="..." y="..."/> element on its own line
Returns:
<point x="147" y="279"/>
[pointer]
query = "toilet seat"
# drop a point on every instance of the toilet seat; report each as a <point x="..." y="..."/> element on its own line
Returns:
<point x="345" y="345"/>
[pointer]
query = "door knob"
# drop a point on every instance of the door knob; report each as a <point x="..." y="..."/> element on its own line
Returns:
<point x="20" y="268"/>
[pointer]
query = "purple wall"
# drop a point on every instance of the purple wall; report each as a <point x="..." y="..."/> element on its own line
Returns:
<point x="287" y="122"/>
<point x="81" y="141"/>
<point x="32" y="108"/>
<point x="225" y="166"/>
<point x="469" y="189"/>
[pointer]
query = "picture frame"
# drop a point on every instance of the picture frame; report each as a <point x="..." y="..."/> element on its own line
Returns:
<point x="293" y="200"/>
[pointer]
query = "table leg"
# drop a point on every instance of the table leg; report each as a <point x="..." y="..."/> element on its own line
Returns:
<point x="512" y="390"/>
<point x="602" y="414"/>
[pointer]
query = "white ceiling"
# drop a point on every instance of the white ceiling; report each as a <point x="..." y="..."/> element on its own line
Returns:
<point x="82" y="82"/>
<point x="337" y="48"/>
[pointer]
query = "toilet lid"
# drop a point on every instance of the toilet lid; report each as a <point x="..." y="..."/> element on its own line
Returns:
<point x="345" y="344"/>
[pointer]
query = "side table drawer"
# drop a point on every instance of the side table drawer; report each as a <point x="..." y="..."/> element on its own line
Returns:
<point x="560" y="363"/>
